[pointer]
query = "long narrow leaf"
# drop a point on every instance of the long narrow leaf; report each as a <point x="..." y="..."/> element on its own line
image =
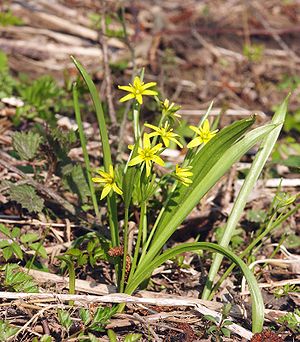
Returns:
<point x="84" y="148"/>
<point x="111" y="200"/>
<point x="237" y="210"/>
<point x="183" y="205"/>
<point x="257" y="300"/>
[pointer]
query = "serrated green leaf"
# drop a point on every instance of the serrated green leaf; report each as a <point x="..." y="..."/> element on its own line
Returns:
<point x="26" y="144"/>
<point x="15" y="233"/>
<point x="84" y="315"/>
<point x="17" y="250"/>
<point x="64" y="318"/>
<point x="29" y="237"/>
<point x="5" y="243"/>
<point x="16" y="280"/>
<point x="74" y="252"/>
<point x="7" y="252"/>
<point x="27" y="197"/>
<point x="46" y="338"/>
<point x="39" y="248"/>
<point x="7" y="330"/>
<point x="132" y="337"/>
<point x="74" y="179"/>
<point x="5" y="230"/>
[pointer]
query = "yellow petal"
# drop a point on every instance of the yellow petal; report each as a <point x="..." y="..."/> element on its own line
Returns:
<point x="156" y="148"/>
<point x="166" y="141"/>
<point x="155" y="128"/>
<point x="111" y="171"/>
<point x="206" y="126"/>
<point x="105" y="191"/>
<point x="176" y="141"/>
<point x="137" y="82"/>
<point x="149" y="92"/>
<point x="98" y="180"/>
<point x="149" y="85"/>
<point x="139" y="98"/>
<point x="148" y="168"/>
<point x="195" y="142"/>
<point x="127" y="88"/>
<point x="136" y="160"/>
<point x="127" y="97"/>
<point x="195" y="129"/>
<point x="146" y="141"/>
<point x="158" y="160"/>
<point x="117" y="189"/>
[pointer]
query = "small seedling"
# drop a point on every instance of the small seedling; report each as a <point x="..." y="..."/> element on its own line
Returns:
<point x="218" y="327"/>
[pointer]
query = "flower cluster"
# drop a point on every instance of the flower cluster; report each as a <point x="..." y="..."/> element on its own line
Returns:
<point x="148" y="152"/>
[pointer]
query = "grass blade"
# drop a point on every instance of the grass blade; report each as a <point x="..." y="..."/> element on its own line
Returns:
<point x="84" y="149"/>
<point x="257" y="300"/>
<point x="237" y="210"/>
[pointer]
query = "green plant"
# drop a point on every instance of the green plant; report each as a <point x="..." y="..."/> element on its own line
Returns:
<point x="285" y="290"/>
<point x="8" y="19"/>
<point x="7" y="330"/>
<point x="210" y="155"/>
<point x="14" y="279"/>
<point x="253" y="52"/>
<point x="17" y="243"/>
<point x="291" y="320"/>
<point x="218" y="327"/>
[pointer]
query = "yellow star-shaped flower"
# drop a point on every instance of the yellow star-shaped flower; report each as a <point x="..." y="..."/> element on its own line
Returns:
<point x="183" y="174"/>
<point x="109" y="180"/>
<point x="204" y="134"/>
<point x="147" y="155"/>
<point x="166" y="134"/>
<point x="137" y="90"/>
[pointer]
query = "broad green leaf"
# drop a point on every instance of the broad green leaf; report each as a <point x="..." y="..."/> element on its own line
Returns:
<point x="15" y="233"/>
<point x="5" y="243"/>
<point x="26" y="144"/>
<point x="84" y="315"/>
<point x="17" y="250"/>
<point x="27" y="197"/>
<point x="132" y="337"/>
<point x="39" y="249"/>
<point x="5" y="230"/>
<point x="7" y="330"/>
<point x="256" y="296"/>
<point x="64" y="318"/>
<point x="29" y="237"/>
<point x="7" y="252"/>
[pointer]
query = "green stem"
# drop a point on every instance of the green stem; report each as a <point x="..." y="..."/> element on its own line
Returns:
<point x="71" y="281"/>
<point x="84" y="149"/>
<point x="268" y="229"/>
<point x="138" y="241"/>
<point x="125" y="243"/>
<point x="145" y="247"/>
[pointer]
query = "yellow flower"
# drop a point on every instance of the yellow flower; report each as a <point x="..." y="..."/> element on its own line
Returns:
<point x="148" y="155"/>
<point x="170" y="109"/>
<point x="137" y="90"/>
<point x="204" y="134"/>
<point x="183" y="174"/>
<point x="166" y="134"/>
<point x="109" y="180"/>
